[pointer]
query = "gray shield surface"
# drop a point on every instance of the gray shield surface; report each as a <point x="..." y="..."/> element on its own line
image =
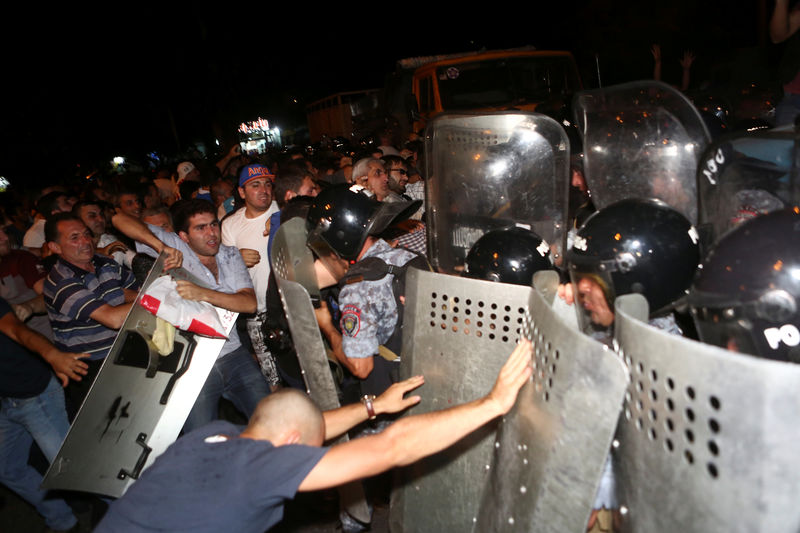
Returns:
<point x="745" y="176"/>
<point x="457" y="332"/>
<point x="641" y="140"/>
<point x="137" y="405"/>
<point x="708" y="438"/>
<point x="492" y="171"/>
<point x="292" y="262"/>
<point x="551" y="448"/>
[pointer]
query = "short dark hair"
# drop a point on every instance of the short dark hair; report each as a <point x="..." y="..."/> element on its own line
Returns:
<point x="49" y="202"/>
<point x="183" y="210"/>
<point x="389" y="159"/>
<point x="287" y="180"/>
<point x="76" y="207"/>
<point x="51" y="225"/>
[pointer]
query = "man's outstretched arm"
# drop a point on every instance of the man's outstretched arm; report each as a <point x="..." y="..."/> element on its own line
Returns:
<point x="65" y="365"/>
<point x="415" y="437"/>
<point x="138" y="231"/>
<point x="337" y="421"/>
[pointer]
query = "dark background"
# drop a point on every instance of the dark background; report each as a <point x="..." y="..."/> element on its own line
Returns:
<point x="82" y="86"/>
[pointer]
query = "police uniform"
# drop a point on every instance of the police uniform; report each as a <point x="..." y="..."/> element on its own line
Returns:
<point x="370" y="316"/>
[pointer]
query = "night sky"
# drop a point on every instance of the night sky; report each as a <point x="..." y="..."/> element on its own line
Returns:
<point x="83" y="85"/>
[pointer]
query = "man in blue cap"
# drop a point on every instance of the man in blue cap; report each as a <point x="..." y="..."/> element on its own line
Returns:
<point x="244" y="229"/>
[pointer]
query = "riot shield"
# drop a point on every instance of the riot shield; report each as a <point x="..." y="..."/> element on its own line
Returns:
<point x="293" y="265"/>
<point x="138" y="403"/>
<point x="492" y="171"/>
<point x="708" y="437"/>
<point x="551" y="448"/>
<point x="641" y="140"/>
<point x="746" y="175"/>
<point x="457" y="332"/>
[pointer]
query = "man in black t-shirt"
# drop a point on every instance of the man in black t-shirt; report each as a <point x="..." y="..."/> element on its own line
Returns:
<point x="32" y="408"/>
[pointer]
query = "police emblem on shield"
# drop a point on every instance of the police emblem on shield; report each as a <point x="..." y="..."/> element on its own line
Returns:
<point x="351" y="320"/>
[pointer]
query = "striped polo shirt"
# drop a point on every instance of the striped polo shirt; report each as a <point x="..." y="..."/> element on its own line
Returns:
<point x="72" y="294"/>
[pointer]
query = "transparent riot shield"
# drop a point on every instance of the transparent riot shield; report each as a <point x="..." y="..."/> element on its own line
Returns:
<point x="708" y="437"/>
<point x="293" y="265"/>
<point x="138" y="403"/>
<point x="641" y="140"/>
<point x="551" y="449"/>
<point x="744" y="176"/>
<point x="492" y="171"/>
<point x="457" y="332"/>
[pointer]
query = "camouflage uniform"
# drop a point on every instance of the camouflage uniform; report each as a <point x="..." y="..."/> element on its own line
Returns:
<point x="369" y="316"/>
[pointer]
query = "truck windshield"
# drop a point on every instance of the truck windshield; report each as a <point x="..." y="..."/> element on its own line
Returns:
<point x="505" y="81"/>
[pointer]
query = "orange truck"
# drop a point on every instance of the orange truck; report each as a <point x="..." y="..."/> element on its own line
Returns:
<point x="512" y="79"/>
<point x="422" y="87"/>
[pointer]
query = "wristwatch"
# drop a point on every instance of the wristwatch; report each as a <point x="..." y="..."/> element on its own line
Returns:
<point x="367" y="400"/>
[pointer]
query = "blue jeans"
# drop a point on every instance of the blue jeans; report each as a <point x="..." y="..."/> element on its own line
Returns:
<point x="42" y="418"/>
<point x="235" y="377"/>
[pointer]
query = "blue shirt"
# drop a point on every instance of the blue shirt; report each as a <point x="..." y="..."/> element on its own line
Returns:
<point x="233" y="275"/>
<point x="73" y="294"/>
<point x="212" y="480"/>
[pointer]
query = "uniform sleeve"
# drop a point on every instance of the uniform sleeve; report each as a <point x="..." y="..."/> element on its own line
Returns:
<point x="358" y="322"/>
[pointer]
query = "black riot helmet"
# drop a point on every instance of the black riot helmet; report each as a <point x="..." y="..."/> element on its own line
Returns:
<point x="632" y="246"/>
<point x="341" y="218"/>
<point x="510" y="255"/>
<point x="747" y="295"/>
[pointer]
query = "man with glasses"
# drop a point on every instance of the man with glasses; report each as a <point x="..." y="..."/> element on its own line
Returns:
<point x="370" y="174"/>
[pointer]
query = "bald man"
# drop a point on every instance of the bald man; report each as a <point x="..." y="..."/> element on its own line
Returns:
<point x="224" y="478"/>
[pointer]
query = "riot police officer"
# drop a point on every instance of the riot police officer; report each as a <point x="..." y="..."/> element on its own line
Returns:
<point x="343" y="232"/>
<point x="509" y="255"/>
<point x="746" y="296"/>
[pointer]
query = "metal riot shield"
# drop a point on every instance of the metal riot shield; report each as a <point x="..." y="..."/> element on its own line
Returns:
<point x="708" y="437"/>
<point x="293" y="265"/>
<point x="746" y="175"/>
<point x="491" y="171"/>
<point x="551" y="448"/>
<point x="138" y="403"/>
<point x="457" y="332"/>
<point x="641" y="140"/>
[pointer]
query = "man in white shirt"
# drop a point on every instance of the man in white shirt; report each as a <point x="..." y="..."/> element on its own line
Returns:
<point x="244" y="229"/>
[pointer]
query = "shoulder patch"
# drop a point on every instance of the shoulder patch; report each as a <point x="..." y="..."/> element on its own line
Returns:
<point x="351" y="320"/>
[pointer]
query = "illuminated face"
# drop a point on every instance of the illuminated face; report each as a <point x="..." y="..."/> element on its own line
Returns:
<point x="377" y="179"/>
<point x="74" y="243"/>
<point x="5" y="243"/>
<point x="203" y="236"/>
<point x="257" y="194"/>
<point x="130" y="205"/>
<point x="591" y="297"/>
<point x="93" y="217"/>
<point x="398" y="177"/>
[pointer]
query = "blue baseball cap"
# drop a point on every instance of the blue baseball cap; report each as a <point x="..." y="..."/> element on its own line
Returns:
<point x="251" y="172"/>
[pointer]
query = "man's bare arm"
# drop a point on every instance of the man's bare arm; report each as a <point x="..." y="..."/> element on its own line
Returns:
<point x="337" y="421"/>
<point x="111" y="316"/>
<point x="242" y="301"/>
<point x="138" y="231"/>
<point x="415" y="437"/>
<point x="66" y="365"/>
